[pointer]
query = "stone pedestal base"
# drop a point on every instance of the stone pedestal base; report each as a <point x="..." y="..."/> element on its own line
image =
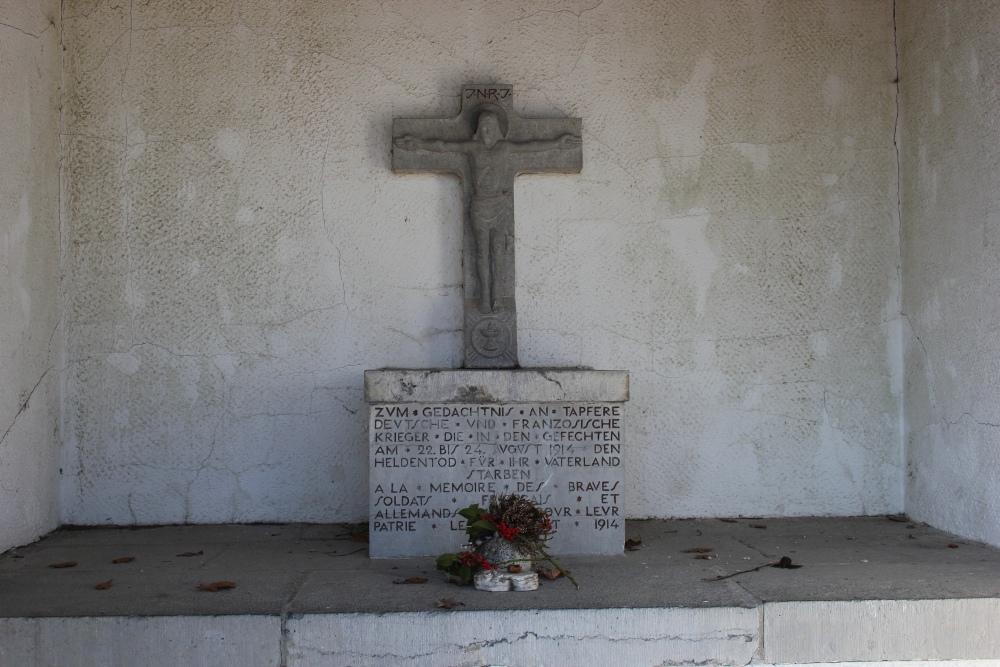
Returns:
<point x="441" y="440"/>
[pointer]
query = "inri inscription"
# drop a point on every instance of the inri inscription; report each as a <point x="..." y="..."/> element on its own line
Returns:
<point x="486" y="146"/>
<point x="430" y="460"/>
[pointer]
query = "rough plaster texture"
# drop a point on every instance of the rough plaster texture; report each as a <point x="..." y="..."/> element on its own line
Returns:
<point x="29" y="269"/>
<point x="950" y="54"/>
<point x="239" y="251"/>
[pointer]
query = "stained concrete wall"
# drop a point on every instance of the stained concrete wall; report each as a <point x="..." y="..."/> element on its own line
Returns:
<point x="239" y="251"/>
<point x="950" y="57"/>
<point x="29" y="269"/>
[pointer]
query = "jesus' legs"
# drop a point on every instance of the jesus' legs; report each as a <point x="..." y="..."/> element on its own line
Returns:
<point x="483" y="268"/>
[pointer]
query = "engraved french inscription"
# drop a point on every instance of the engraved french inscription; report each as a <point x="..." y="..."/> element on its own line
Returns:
<point x="427" y="461"/>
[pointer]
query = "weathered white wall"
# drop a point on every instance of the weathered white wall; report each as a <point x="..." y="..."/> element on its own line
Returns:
<point x="239" y="251"/>
<point x="29" y="269"/>
<point x="950" y="59"/>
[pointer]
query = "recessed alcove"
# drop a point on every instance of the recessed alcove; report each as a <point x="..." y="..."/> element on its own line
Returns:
<point x="784" y="230"/>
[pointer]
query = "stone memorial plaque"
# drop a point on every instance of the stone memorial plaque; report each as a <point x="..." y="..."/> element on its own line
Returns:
<point x="429" y="460"/>
<point x="441" y="439"/>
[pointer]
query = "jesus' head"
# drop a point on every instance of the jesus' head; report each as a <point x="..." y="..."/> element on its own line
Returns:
<point x="489" y="131"/>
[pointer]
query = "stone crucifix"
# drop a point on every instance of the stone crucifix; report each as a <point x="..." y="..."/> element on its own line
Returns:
<point x="486" y="145"/>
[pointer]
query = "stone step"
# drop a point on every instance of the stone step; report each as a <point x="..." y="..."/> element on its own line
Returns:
<point x="870" y="590"/>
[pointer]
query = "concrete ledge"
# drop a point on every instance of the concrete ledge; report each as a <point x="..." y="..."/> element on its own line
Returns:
<point x="877" y="630"/>
<point x="554" y="638"/>
<point x="126" y="641"/>
<point x="525" y="385"/>
<point x="870" y="592"/>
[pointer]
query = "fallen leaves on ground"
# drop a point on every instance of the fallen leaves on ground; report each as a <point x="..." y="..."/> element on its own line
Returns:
<point x="104" y="585"/>
<point x="189" y="554"/>
<point x="60" y="566"/>
<point x="448" y="603"/>
<point x="705" y="556"/>
<point x="901" y="518"/>
<point x="697" y="550"/>
<point x="358" y="537"/>
<point x="216" y="586"/>
<point x="952" y="546"/>
<point x="633" y="543"/>
<point x="411" y="580"/>
<point x="552" y="573"/>
<point x="728" y="520"/>
<point x="123" y="560"/>
<point x="758" y="525"/>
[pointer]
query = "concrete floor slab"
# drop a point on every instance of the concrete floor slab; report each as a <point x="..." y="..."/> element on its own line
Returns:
<point x="868" y="590"/>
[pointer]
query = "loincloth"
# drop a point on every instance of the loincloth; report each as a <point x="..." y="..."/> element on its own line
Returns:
<point x="488" y="211"/>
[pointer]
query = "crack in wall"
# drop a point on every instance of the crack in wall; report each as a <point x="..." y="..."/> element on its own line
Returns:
<point x="25" y="32"/>
<point x="24" y="405"/>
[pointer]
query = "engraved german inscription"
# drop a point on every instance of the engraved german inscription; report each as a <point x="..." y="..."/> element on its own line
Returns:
<point x="430" y="460"/>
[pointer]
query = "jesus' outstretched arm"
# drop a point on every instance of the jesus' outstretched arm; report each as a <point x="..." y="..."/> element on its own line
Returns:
<point x="409" y="143"/>
<point x="563" y="143"/>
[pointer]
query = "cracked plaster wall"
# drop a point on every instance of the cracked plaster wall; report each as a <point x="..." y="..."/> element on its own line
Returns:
<point x="950" y="57"/>
<point x="29" y="269"/>
<point x="238" y="251"/>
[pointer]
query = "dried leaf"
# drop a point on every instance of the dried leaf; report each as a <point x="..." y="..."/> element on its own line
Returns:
<point x="728" y="520"/>
<point x="189" y="554"/>
<point x="552" y="573"/>
<point x="697" y="550"/>
<point x="901" y="518"/>
<point x="216" y="586"/>
<point x="104" y="585"/>
<point x="123" y="559"/>
<point x="758" y="525"/>
<point x="358" y="537"/>
<point x="952" y="546"/>
<point x="60" y="566"/>
<point x="785" y="563"/>
<point x="448" y="603"/>
<point x="705" y="556"/>
<point x="633" y="544"/>
<point x="411" y="580"/>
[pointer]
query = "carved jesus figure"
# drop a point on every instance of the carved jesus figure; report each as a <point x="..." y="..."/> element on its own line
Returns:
<point x="491" y="206"/>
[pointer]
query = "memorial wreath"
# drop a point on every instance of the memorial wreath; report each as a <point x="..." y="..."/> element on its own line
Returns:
<point x="510" y="518"/>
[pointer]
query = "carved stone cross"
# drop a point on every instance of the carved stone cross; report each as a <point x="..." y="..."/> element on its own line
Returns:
<point x="486" y="145"/>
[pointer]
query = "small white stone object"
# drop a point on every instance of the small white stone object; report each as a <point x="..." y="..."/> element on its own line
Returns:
<point x="498" y="581"/>
<point x="524" y="581"/>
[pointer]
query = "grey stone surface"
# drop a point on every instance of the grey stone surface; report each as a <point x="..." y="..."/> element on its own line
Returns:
<point x="430" y="460"/>
<point x="915" y="598"/>
<point x="486" y="146"/>
<point x="523" y="385"/>
<point x="128" y="641"/>
<point x="874" y="630"/>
